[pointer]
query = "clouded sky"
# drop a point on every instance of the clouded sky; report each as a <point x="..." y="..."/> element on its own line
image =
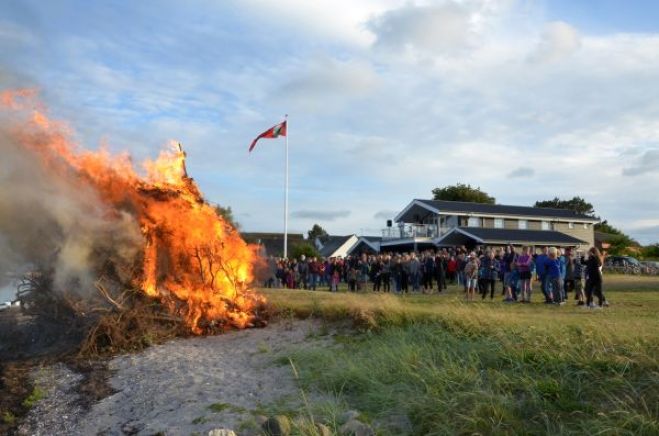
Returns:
<point x="387" y="99"/>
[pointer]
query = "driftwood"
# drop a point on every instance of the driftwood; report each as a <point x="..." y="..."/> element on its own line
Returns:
<point x="111" y="318"/>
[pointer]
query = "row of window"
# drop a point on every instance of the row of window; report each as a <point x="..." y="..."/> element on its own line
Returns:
<point x="521" y="224"/>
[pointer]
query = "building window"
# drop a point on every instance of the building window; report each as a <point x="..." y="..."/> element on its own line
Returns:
<point x="473" y="222"/>
<point x="522" y="224"/>
<point x="545" y="225"/>
<point x="498" y="223"/>
<point x="570" y="225"/>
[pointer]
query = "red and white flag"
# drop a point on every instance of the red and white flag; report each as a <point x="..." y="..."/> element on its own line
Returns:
<point x="273" y="132"/>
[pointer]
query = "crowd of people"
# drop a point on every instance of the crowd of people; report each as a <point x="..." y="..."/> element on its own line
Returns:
<point x="557" y="271"/>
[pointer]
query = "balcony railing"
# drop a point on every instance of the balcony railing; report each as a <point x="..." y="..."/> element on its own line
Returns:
<point x="413" y="231"/>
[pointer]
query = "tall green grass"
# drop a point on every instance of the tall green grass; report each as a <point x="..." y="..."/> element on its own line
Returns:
<point x="450" y="367"/>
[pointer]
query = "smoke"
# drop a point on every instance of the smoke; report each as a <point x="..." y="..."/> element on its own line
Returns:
<point x="51" y="220"/>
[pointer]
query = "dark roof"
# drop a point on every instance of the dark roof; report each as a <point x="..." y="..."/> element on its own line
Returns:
<point x="361" y="247"/>
<point x="332" y="244"/>
<point x="503" y="209"/>
<point x="515" y="236"/>
<point x="363" y="244"/>
<point x="273" y="242"/>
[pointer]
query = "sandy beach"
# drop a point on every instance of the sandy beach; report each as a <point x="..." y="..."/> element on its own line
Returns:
<point x="170" y="388"/>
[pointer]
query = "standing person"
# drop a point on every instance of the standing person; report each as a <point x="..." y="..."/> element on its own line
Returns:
<point x="509" y="259"/>
<point x="303" y="271"/>
<point x="376" y="273"/>
<point x="452" y="268"/>
<point x="471" y="276"/>
<point x="594" y="279"/>
<point x="568" y="282"/>
<point x="363" y="267"/>
<point x="314" y="273"/>
<point x="397" y="273"/>
<point x="335" y="277"/>
<point x="440" y="271"/>
<point x="414" y="268"/>
<point x="541" y="271"/>
<point x="554" y="281"/>
<point x="578" y="276"/>
<point x="386" y="274"/>
<point x="405" y="274"/>
<point x="490" y="268"/>
<point x="428" y="271"/>
<point x="352" y="279"/>
<point x="524" y="267"/>
<point x="462" y="262"/>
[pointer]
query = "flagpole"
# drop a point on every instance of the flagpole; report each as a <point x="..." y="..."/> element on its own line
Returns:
<point x="286" y="195"/>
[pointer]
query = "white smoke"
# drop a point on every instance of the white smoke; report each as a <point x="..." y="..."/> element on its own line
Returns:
<point x="50" y="220"/>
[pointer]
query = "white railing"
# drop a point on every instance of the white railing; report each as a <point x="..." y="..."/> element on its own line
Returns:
<point x="413" y="231"/>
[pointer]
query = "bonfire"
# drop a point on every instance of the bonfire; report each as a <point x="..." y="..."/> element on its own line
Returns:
<point x="122" y="251"/>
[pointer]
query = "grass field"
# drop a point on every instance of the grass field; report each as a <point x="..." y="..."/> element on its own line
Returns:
<point x="434" y="364"/>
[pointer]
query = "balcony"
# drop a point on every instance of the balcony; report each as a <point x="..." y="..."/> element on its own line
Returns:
<point x="406" y="231"/>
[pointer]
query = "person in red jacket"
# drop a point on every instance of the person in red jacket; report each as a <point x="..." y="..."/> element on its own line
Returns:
<point x="452" y="268"/>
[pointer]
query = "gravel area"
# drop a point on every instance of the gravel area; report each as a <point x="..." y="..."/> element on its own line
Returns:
<point x="171" y="388"/>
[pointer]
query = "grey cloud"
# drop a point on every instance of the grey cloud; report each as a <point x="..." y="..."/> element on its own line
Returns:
<point x="521" y="172"/>
<point x="324" y="215"/>
<point x="647" y="163"/>
<point x="435" y="28"/>
<point x="324" y="83"/>
<point x="384" y="214"/>
<point x="646" y="235"/>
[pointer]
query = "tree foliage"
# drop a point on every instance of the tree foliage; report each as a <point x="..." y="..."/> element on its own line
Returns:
<point x="317" y="232"/>
<point x="227" y="214"/>
<point x="651" y="251"/>
<point x="605" y="227"/>
<point x="576" y="204"/>
<point x="462" y="192"/>
<point x="303" y="248"/>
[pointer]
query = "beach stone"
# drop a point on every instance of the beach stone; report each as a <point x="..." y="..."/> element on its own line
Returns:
<point x="349" y="416"/>
<point x="323" y="430"/>
<point x="278" y="425"/>
<point x="260" y="420"/>
<point x="221" y="432"/>
<point x="356" y="428"/>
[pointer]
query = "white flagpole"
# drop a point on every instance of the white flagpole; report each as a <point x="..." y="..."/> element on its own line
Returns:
<point x="286" y="196"/>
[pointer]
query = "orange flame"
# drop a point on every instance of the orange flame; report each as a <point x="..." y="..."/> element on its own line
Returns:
<point x="193" y="261"/>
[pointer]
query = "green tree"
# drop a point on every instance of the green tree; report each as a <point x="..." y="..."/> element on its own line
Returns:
<point x="576" y="204"/>
<point x="620" y="243"/>
<point x="303" y="248"/>
<point x="462" y="192"/>
<point x="317" y="232"/>
<point x="227" y="214"/>
<point x="605" y="227"/>
<point x="651" y="251"/>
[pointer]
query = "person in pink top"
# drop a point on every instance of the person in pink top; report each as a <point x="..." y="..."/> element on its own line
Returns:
<point x="523" y="264"/>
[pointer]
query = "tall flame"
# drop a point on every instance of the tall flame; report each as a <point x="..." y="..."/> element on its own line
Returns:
<point x="191" y="259"/>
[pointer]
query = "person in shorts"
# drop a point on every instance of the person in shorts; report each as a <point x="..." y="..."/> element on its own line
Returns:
<point x="471" y="276"/>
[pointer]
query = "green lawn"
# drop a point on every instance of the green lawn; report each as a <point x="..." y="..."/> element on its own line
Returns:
<point x="434" y="364"/>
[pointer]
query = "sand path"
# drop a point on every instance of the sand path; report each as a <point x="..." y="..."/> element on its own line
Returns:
<point x="169" y="387"/>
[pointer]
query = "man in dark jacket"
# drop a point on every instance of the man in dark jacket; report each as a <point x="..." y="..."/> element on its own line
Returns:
<point x="490" y="268"/>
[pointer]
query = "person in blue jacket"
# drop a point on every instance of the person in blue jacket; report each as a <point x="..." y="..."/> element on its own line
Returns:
<point x="554" y="281"/>
<point x="541" y="271"/>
